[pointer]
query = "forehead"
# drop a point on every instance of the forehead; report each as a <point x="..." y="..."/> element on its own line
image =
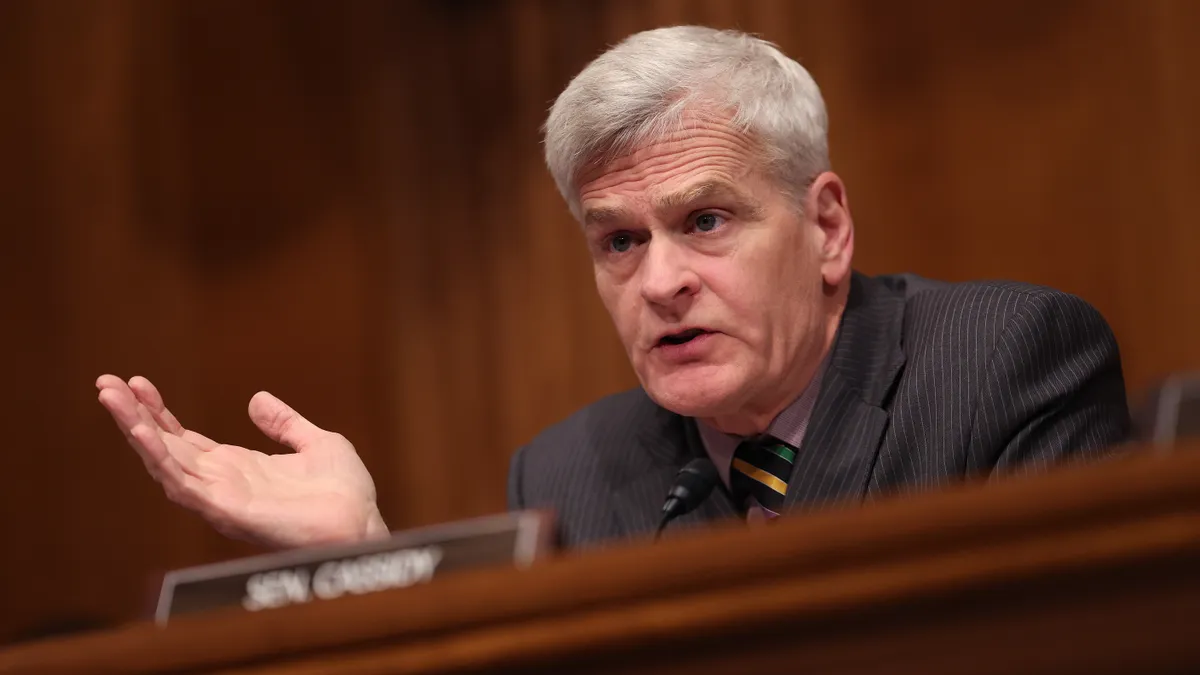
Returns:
<point x="706" y="155"/>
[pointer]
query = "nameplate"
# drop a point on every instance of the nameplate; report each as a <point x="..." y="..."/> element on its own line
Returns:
<point x="324" y="573"/>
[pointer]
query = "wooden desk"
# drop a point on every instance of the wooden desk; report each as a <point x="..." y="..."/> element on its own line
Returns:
<point x="1092" y="569"/>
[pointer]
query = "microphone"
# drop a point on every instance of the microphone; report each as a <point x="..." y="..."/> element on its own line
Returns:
<point x="693" y="484"/>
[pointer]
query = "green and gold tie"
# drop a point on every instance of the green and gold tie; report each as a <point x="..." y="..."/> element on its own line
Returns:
<point x="759" y="473"/>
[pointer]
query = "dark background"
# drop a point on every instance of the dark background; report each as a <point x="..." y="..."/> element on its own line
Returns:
<point x="344" y="203"/>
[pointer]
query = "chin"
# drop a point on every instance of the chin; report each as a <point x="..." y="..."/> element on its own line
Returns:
<point x="703" y="392"/>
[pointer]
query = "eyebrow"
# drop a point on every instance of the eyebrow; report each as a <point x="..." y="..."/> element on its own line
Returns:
<point x="604" y="214"/>
<point x="702" y="190"/>
<point x="673" y="200"/>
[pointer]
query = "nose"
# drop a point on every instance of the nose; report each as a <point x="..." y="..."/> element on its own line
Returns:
<point x="668" y="280"/>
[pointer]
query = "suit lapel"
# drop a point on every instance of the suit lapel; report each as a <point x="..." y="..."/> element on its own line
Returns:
<point x="667" y="447"/>
<point x="835" y="460"/>
<point x="849" y="420"/>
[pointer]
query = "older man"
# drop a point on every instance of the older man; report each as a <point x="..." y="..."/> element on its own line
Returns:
<point x="696" y="162"/>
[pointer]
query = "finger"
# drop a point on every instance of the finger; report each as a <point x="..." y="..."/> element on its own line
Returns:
<point x="184" y="452"/>
<point x="127" y="420"/>
<point x="144" y="413"/>
<point x="282" y="424"/>
<point x="121" y="406"/>
<point x="154" y="452"/>
<point x="147" y="394"/>
<point x="180" y="487"/>
<point x="199" y="440"/>
<point x="122" y="390"/>
<point x="108" y="381"/>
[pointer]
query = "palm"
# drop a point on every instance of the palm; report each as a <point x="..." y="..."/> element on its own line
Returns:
<point x="321" y="493"/>
<point x="297" y="498"/>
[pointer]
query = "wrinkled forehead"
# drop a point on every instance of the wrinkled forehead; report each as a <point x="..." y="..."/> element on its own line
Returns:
<point x="707" y="159"/>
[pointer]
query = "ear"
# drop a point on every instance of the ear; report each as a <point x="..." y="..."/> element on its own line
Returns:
<point x="828" y="208"/>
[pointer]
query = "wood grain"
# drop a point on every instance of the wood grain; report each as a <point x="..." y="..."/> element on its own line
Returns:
<point x="1088" y="569"/>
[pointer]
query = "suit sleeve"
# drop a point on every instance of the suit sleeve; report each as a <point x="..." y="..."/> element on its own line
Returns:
<point x="516" y="467"/>
<point x="1053" y="389"/>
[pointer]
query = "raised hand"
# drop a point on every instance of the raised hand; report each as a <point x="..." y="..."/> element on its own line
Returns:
<point x="321" y="493"/>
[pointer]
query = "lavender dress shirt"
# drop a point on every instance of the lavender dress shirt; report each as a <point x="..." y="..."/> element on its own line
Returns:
<point x="788" y="426"/>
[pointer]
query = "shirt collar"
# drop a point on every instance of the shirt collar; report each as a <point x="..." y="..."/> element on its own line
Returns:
<point x="789" y="426"/>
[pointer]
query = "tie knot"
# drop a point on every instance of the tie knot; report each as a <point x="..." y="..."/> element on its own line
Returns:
<point x="760" y="471"/>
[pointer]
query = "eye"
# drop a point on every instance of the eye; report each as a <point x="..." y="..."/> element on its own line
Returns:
<point x="620" y="242"/>
<point x="707" y="222"/>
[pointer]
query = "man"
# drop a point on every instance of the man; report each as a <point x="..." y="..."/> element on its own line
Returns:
<point x="696" y="162"/>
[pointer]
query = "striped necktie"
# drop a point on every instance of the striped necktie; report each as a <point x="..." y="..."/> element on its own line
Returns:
<point x="759" y="473"/>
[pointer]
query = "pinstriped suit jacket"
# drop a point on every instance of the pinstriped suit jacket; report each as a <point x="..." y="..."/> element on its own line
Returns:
<point x="929" y="383"/>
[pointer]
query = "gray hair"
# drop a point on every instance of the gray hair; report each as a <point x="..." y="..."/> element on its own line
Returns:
<point x="640" y="89"/>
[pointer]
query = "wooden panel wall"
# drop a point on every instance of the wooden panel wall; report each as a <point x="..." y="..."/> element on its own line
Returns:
<point x="344" y="203"/>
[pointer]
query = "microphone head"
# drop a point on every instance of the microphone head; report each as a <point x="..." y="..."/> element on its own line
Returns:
<point x="694" y="482"/>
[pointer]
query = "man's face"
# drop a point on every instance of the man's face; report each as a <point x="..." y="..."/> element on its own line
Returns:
<point x="711" y="274"/>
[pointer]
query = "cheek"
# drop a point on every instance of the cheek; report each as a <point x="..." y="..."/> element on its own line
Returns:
<point x="621" y="306"/>
<point x="761" y="295"/>
<point x="744" y="297"/>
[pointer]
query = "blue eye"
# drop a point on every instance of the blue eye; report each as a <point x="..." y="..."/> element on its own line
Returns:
<point x="707" y="222"/>
<point x="620" y="243"/>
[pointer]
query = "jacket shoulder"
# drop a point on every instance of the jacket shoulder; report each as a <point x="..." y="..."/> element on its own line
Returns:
<point x="987" y="361"/>
<point x="576" y="466"/>
<point x="581" y="446"/>
<point x="981" y="312"/>
<point x="603" y="420"/>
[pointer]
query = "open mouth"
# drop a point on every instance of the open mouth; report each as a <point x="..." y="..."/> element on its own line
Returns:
<point x="682" y="337"/>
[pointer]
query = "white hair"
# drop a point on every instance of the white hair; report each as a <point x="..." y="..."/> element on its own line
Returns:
<point x="640" y="90"/>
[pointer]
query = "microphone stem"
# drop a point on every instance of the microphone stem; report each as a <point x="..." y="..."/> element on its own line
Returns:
<point x="662" y="524"/>
<point x="670" y="510"/>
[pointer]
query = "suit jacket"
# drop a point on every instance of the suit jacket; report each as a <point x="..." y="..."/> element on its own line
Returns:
<point x="928" y="383"/>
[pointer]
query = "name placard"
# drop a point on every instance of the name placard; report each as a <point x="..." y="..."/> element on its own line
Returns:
<point x="329" y="572"/>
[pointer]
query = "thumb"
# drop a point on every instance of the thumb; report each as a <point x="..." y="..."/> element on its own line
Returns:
<point x="281" y="424"/>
